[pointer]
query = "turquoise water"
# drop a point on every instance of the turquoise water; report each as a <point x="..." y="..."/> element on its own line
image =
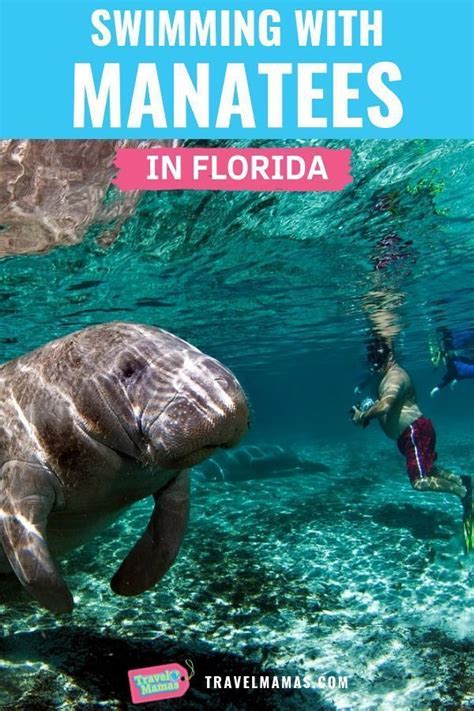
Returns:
<point x="342" y="570"/>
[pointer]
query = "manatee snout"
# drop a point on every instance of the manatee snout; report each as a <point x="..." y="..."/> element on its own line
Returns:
<point x="209" y="411"/>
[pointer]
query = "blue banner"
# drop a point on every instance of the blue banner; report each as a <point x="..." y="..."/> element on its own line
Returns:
<point x="388" y="69"/>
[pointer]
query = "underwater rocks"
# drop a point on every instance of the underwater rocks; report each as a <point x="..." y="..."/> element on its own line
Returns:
<point x="82" y="668"/>
<point x="426" y="525"/>
<point x="297" y="575"/>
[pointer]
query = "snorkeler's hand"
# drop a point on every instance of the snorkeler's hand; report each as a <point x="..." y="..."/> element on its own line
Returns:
<point x="357" y="416"/>
<point x="453" y="384"/>
<point x="434" y="392"/>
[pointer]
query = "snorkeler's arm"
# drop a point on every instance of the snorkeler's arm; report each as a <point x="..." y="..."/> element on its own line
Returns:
<point x="393" y="389"/>
<point x="450" y="375"/>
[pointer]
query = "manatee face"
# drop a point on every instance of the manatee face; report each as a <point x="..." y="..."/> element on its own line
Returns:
<point x="180" y="406"/>
<point x="208" y="410"/>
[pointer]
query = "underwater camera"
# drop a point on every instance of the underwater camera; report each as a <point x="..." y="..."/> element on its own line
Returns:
<point x="363" y="406"/>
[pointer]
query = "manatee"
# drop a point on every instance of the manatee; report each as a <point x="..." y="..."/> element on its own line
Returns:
<point x="256" y="462"/>
<point x="52" y="191"/>
<point x="93" y="422"/>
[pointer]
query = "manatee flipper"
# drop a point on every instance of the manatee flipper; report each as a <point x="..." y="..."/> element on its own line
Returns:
<point x="158" y="547"/>
<point x="27" y="495"/>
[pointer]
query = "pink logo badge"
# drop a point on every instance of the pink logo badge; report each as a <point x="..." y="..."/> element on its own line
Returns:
<point x="156" y="683"/>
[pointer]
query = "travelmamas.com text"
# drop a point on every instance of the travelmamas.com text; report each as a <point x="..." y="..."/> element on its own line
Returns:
<point x="276" y="682"/>
<point x="237" y="68"/>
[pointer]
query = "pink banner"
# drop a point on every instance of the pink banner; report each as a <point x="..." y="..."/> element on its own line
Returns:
<point x="258" y="169"/>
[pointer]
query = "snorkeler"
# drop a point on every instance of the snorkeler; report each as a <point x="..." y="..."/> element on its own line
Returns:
<point x="458" y="367"/>
<point x="401" y="419"/>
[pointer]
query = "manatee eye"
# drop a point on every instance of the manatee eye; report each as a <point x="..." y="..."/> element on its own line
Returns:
<point x="131" y="366"/>
<point x="128" y="370"/>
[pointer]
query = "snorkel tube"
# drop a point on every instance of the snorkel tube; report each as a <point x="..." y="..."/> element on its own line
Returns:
<point x="436" y="354"/>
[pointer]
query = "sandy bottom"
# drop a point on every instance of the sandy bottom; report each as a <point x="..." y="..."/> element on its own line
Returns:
<point x="350" y="576"/>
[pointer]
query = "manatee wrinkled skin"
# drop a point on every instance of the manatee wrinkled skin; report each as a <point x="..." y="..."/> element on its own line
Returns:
<point x="93" y="422"/>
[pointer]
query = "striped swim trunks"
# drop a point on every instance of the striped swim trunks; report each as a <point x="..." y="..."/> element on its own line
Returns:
<point x="417" y="443"/>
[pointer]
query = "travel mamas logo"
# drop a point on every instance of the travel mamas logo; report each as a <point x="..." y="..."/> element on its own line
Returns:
<point x="169" y="681"/>
<point x="166" y="681"/>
